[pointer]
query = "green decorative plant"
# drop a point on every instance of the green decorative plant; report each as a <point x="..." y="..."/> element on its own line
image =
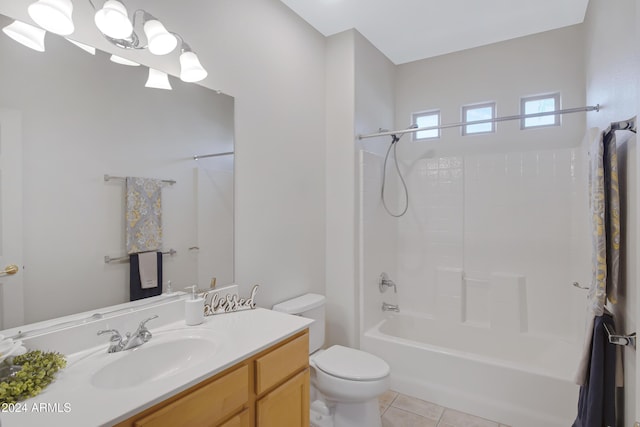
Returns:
<point x="38" y="371"/>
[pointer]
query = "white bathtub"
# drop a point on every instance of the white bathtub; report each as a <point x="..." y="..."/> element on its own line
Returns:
<point x="521" y="380"/>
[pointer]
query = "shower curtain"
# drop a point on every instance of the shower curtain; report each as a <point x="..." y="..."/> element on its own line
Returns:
<point x="600" y="369"/>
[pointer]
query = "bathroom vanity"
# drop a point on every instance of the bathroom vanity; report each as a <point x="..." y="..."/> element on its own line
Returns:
<point x="268" y="389"/>
<point x="241" y="369"/>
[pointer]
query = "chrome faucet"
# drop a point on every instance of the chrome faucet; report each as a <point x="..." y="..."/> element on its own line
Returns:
<point x="139" y="337"/>
<point x="390" y="307"/>
<point x="384" y="282"/>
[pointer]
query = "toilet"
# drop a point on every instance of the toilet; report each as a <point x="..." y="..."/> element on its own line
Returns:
<point x="345" y="382"/>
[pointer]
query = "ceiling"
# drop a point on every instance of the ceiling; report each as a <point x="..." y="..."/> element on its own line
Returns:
<point x="409" y="30"/>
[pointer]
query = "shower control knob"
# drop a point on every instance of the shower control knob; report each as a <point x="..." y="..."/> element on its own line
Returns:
<point x="384" y="282"/>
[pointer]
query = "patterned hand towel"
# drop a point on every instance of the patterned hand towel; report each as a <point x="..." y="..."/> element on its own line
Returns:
<point x="144" y="215"/>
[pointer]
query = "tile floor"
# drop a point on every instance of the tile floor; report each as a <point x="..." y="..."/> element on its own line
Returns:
<point x="399" y="410"/>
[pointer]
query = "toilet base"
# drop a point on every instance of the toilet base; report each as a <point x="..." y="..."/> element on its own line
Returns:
<point x="357" y="414"/>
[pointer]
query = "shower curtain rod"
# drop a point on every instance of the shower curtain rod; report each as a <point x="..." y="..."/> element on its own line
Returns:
<point x="477" y="122"/>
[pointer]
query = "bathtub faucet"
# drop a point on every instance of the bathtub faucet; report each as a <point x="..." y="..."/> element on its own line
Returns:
<point x="390" y="307"/>
<point x="384" y="282"/>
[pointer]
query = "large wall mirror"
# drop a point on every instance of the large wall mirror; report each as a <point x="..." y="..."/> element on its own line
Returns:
<point x="67" y="119"/>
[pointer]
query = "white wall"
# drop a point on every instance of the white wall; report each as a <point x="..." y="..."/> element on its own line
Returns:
<point x="612" y="64"/>
<point x="360" y="91"/>
<point x="339" y="169"/>
<point x="374" y="108"/>
<point x="273" y="64"/>
<point x="378" y="243"/>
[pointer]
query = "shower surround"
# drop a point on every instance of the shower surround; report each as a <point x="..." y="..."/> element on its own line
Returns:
<point x="485" y="257"/>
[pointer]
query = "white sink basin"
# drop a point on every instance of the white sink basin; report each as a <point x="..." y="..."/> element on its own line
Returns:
<point x="153" y="361"/>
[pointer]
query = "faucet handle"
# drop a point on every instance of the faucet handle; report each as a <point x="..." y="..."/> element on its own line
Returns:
<point x="115" y="340"/>
<point x="384" y="282"/>
<point x="115" y="334"/>
<point x="144" y="322"/>
<point x="143" y="333"/>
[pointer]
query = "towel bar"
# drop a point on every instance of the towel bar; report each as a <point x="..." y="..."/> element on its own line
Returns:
<point x="629" y="340"/>
<point x="108" y="259"/>
<point x="110" y="177"/>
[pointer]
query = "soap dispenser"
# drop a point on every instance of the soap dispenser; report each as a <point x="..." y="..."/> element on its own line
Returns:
<point x="193" y="308"/>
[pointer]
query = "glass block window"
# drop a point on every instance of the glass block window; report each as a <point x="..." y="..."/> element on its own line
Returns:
<point x="423" y="120"/>
<point x="540" y="104"/>
<point x="477" y="112"/>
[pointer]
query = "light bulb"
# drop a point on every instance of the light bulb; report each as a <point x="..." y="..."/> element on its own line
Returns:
<point x="85" y="47"/>
<point x="53" y="15"/>
<point x="123" y="61"/>
<point x="158" y="80"/>
<point x="28" y="35"/>
<point x="191" y="70"/>
<point x="113" y="20"/>
<point x="160" y="40"/>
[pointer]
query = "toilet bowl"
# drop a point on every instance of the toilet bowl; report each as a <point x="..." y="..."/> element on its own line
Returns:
<point x="345" y="382"/>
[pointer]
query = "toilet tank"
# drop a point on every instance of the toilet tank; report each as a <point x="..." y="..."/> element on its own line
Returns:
<point x="310" y="306"/>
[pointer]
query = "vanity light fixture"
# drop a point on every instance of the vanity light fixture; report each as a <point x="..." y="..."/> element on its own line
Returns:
<point x="28" y="35"/>
<point x="145" y="31"/>
<point x="142" y="31"/>
<point x="158" y="80"/>
<point x="53" y="15"/>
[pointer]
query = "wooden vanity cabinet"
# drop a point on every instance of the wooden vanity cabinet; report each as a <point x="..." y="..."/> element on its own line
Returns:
<point x="269" y="389"/>
<point x="287" y="405"/>
<point x="283" y="403"/>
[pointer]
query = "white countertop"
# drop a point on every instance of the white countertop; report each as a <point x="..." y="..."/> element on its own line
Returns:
<point x="71" y="400"/>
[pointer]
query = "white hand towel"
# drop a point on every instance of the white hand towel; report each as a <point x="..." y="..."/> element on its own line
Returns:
<point x="148" y="266"/>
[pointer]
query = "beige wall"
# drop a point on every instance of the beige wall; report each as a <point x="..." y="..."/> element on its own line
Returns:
<point x="612" y="73"/>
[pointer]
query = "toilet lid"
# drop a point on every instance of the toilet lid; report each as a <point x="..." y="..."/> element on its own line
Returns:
<point x="351" y="364"/>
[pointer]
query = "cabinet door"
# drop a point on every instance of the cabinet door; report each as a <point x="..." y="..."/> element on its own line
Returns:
<point x="205" y="406"/>
<point x="282" y="362"/>
<point x="287" y="405"/>
<point x="240" y="420"/>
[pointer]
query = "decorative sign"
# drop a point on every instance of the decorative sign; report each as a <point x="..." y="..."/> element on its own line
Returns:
<point x="214" y="304"/>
